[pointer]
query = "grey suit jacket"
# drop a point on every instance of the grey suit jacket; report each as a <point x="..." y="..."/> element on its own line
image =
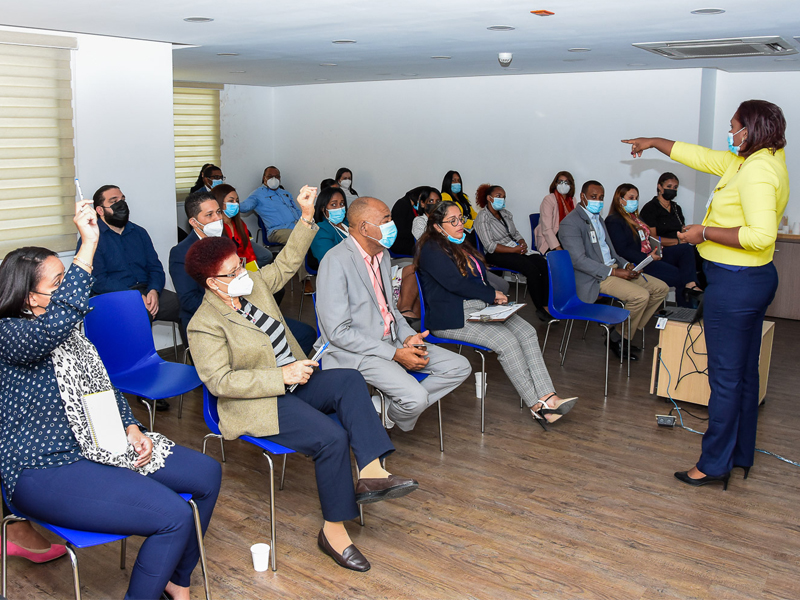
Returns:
<point x="348" y="311"/>
<point x="576" y="234"/>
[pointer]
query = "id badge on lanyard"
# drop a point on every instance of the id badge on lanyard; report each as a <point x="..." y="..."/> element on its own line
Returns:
<point x="593" y="236"/>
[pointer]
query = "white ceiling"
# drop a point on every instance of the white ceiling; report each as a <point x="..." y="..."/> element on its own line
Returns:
<point x="283" y="43"/>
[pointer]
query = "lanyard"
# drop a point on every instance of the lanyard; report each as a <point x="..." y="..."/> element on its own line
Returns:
<point x="381" y="288"/>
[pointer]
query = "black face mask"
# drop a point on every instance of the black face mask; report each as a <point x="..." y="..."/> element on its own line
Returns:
<point x="669" y="194"/>
<point x="120" y="214"/>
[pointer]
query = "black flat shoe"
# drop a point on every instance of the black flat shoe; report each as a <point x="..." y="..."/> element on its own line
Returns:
<point x="351" y="558"/>
<point x="544" y="315"/>
<point x="620" y="350"/>
<point x="684" y="477"/>
<point x="162" y="405"/>
<point x="746" y="470"/>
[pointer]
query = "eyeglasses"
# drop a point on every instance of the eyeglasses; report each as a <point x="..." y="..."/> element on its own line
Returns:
<point x="453" y="221"/>
<point x="239" y="269"/>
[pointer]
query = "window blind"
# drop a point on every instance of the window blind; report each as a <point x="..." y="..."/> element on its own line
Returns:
<point x="196" y="116"/>
<point x="37" y="154"/>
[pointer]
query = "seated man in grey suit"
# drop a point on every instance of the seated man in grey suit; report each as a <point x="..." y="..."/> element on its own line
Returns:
<point x="358" y="316"/>
<point x="599" y="269"/>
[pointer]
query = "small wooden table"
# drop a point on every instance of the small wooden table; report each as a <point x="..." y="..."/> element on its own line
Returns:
<point x="685" y="359"/>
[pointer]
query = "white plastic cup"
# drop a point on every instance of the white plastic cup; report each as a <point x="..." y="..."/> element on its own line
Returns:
<point x="478" y="377"/>
<point x="260" y="554"/>
<point x="796" y="228"/>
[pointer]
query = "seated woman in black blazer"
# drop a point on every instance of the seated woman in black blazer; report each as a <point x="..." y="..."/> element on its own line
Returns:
<point x="631" y="239"/>
<point x="454" y="284"/>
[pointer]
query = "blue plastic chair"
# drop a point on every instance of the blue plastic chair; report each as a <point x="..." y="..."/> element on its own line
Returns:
<point x="564" y="304"/>
<point x="312" y="272"/>
<point x="119" y="328"/>
<point x="516" y="274"/>
<point x="211" y="417"/>
<point x="262" y="229"/>
<point x="481" y="350"/>
<point x="86" y="539"/>
<point x="534" y="218"/>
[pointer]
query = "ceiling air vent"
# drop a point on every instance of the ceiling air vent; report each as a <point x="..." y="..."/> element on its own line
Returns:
<point x="747" y="46"/>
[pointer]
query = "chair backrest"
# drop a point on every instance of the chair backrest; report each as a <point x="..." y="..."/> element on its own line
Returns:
<point x="311" y="270"/>
<point x="421" y="302"/>
<point x="562" y="279"/>
<point x="210" y="414"/>
<point x="316" y="318"/>
<point x="120" y="329"/>
<point x="534" y="217"/>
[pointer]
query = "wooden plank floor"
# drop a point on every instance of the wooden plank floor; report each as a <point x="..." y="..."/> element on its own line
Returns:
<point x="587" y="510"/>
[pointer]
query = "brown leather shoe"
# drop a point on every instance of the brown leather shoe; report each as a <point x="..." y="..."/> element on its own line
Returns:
<point x="351" y="558"/>
<point x="375" y="490"/>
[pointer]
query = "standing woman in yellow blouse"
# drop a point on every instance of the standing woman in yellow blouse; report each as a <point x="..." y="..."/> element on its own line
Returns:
<point x="737" y="240"/>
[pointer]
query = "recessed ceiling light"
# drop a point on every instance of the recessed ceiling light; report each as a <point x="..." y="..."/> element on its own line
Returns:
<point x="708" y="11"/>
<point x="322" y="79"/>
<point x="238" y="71"/>
<point x="408" y="74"/>
<point x="786" y="59"/>
<point x="441" y="57"/>
<point x="328" y="65"/>
<point x="501" y="28"/>
<point x="344" y="41"/>
<point x="198" y="19"/>
<point x="383" y="74"/>
<point x="580" y="50"/>
<point x="637" y="64"/>
<point x="227" y="54"/>
<point x="574" y="59"/>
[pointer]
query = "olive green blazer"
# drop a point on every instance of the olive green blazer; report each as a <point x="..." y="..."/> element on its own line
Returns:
<point x="235" y="359"/>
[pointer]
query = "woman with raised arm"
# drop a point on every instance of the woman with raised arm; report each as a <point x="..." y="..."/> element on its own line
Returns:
<point x="52" y="469"/>
<point x="737" y="240"/>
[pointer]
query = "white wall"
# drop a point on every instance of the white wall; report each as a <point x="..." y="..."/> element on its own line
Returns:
<point x="516" y="131"/>
<point x="781" y="88"/>
<point x="124" y="131"/>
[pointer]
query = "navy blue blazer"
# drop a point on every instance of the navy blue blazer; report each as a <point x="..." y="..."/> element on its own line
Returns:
<point x="189" y="292"/>
<point x="445" y="288"/>
<point x="626" y="242"/>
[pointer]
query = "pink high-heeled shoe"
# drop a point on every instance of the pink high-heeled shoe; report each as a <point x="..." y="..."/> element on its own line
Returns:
<point x="37" y="556"/>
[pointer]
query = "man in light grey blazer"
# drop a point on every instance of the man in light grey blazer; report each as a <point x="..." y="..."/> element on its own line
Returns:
<point x="358" y="316"/>
<point x="598" y="267"/>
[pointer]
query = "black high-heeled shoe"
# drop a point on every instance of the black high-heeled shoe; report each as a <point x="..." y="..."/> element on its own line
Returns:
<point x="746" y="470"/>
<point x="684" y="477"/>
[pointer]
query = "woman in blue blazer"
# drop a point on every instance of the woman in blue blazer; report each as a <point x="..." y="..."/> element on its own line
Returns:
<point x="330" y="212"/>
<point x="454" y="284"/>
<point x="631" y="239"/>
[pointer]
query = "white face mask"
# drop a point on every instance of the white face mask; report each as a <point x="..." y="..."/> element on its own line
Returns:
<point x="213" y="229"/>
<point x="346" y="183"/>
<point x="563" y="188"/>
<point x="242" y="285"/>
<point x="273" y="183"/>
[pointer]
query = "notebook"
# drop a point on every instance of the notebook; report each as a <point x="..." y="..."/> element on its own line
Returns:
<point x="105" y="422"/>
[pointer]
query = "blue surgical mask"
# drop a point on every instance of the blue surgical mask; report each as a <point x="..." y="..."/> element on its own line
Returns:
<point x="457" y="240"/>
<point x="631" y="206"/>
<point x="388" y="233"/>
<point x="456" y="188"/>
<point x="731" y="147"/>
<point x="336" y="215"/>
<point x="498" y="203"/>
<point x="231" y="209"/>
<point x="215" y="182"/>
<point x="594" y="206"/>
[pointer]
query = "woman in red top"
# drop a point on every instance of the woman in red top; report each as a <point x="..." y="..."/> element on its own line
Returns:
<point x="234" y="226"/>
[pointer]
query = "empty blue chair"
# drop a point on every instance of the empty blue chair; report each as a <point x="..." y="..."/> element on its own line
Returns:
<point x="564" y="304"/>
<point x="86" y="539"/>
<point x="119" y="328"/>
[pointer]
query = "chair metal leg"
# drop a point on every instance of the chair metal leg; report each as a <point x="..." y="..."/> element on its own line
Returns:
<point x="547" y="333"/>
<point x="643" y="330"/>
<point x="483" y="389"/>
<point x="283" y="471"/>
<point x="383" y="407"/>
<point x="221" y="443"/>
<point x="4" y="551"/>
<point x="151" y="410"/>
<point x="302" y="296"/>
<point x="608" y="348"/>
<point x="630" y="334"/>
<point x="198" y="527"/>
<point x="272" y="509"/>
<point x="180" y="407"/>
<point x="564" y="336"/>
<point x="76" y="578"/>
<point x="585" y="329"/>
<point x="186" y="355"/>
<point x="566" y="345"/>
<point x="361" y="514"/>
<point x="441" y="433"/>
<point x="175" y="341"/>
<point x="123" y="547"/>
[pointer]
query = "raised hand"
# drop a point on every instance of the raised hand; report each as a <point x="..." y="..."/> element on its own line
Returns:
<point x="305" y="200"/>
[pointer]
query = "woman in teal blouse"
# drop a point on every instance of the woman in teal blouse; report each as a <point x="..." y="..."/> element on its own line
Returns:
<point x="330" y="213"/>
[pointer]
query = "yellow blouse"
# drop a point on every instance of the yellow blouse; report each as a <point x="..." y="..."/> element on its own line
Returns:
<point x="752" y="194"/>
<point x="470" y="218"/>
